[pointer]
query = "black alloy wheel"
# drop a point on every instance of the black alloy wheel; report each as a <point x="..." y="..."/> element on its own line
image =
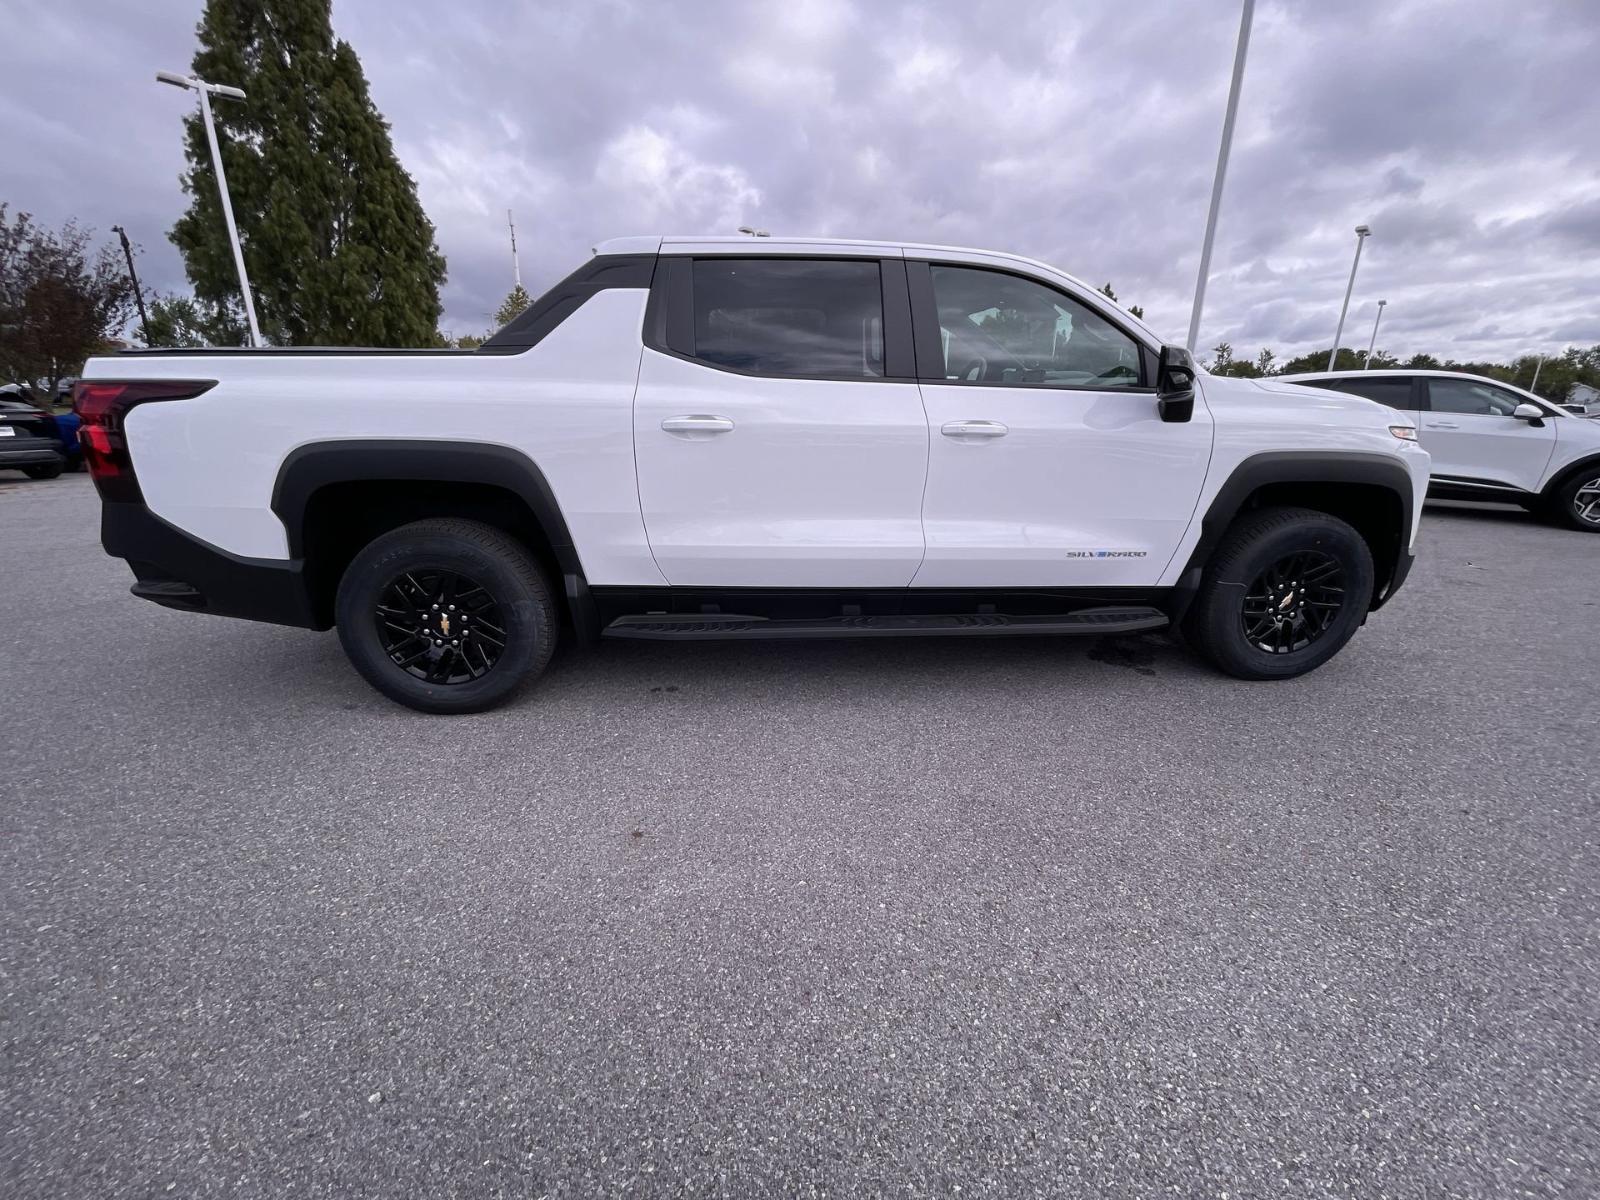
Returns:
<point x="440" y="626"/>
<point x="1293" y="602"/>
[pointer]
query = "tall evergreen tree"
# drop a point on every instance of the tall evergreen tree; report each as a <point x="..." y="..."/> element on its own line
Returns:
<point x="515" y="304"/>
<point x="338" y="248"/>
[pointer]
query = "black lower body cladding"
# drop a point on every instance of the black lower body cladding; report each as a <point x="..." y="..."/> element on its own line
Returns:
<point x="177" y="570"/>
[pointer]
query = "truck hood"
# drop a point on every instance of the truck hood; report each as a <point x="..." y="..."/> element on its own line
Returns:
<point x="1338" y="406"/>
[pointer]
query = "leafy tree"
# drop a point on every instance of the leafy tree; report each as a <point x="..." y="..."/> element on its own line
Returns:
<point x="1264" y="362"/>
<point x="1136" y="311"/>
<point x="1222" y="358"/>
<point x="60" y="300"/>
<point x="1317" y="360"/>
<point x="177" y="321"/>
<point x="512" y="307"/>
<point x="338" y="248"/>
<point x="469" y="342"/>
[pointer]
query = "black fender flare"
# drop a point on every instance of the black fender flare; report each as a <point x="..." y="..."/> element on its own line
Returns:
<point x="318" y="464"/>
<point x="1303" y="466"/>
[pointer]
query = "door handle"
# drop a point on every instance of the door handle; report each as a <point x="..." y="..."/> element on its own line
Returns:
<point x="697" y="423"/>
<point x="974" y="429"/>
<point x="1441" y="425"/>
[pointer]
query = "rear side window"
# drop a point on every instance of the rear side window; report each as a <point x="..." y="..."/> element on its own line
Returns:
<point x="813" y="318"/>
<point x="1396" y="393"/>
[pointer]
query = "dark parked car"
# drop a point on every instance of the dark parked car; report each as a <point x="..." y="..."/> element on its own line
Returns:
<point x="30" y="439"/>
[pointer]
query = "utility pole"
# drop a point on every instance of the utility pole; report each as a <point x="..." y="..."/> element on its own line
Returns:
<point x="1362" y="233"/>
<point x="127" y="250"/>
<point x="516" y="266"/>
<point x="1537" y="367"/>
<point x="1374" y="340"/>
<point x="1239" y="52"/>
<point x="206" y="91"/>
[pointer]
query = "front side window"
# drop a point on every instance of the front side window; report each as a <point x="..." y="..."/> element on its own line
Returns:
<point x="812" y="318"/>
<point x="1396" y="393"/>
<point x="1469" y="397"/>
<point x="999" y="328"/>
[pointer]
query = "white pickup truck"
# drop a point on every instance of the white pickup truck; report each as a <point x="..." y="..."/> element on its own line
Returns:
<point x="698" y="438"/>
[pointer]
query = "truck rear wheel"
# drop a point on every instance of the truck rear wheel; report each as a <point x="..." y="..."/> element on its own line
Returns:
<point x="1284" y="592"/>
<point x="446" y="616"/>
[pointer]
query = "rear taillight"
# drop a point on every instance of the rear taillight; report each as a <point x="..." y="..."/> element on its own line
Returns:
<point x="102" y="406"/>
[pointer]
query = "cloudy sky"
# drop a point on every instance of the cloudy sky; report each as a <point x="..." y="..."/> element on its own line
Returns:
<point x="1084" y="132"/>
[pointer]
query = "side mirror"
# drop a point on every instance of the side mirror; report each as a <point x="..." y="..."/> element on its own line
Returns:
<point x="1175" y="384"/>
<point x="1531" y="413"/>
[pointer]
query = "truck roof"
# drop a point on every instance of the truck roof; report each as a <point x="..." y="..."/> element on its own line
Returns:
<point x="722" y="243"/>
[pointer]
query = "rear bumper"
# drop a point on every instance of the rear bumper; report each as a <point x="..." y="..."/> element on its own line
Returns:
<point x="30" y="452"/>
<point x="176" y="570"/>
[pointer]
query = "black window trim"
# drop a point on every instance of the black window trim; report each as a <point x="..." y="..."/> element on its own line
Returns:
<point x="669" y="315"/>
<point x="930" y="352"/>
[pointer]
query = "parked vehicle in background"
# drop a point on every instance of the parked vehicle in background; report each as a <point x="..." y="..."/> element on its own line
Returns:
<point x="1489" y="440"/>
<point x="732" y="438"/>
<point x="30" y="440"/>
<point x="1583" y="400"/>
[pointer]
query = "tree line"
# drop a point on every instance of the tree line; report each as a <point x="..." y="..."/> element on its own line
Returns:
<point x="1556" y="374"/>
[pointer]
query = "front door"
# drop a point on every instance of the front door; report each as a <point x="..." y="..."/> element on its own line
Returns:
<point x="774" y="447"/>
<point x="1048" y="463"/>
<point x="1468" y="428"/>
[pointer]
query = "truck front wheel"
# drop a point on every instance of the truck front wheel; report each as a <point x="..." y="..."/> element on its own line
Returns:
<point x="1284" y="592"/>
<point x="446" y="615"/>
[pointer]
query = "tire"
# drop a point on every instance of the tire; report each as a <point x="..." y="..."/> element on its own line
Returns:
<point x="43" y="471"/>
<point x="1320" y="620"/>
<point x="414" y="573"/>
<point x="1579" y="495"/>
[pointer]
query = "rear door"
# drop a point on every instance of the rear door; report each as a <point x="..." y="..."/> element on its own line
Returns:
<point x="1474" y="439"/>
<point x="778" y="429"/>
<point x="1048" y="463"/>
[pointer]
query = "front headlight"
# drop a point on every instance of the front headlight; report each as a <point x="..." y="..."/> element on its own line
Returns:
<point x="1406" y="433"/>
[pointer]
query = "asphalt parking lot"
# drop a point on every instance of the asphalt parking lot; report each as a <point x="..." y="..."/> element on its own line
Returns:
<point x="1035" y="918"/>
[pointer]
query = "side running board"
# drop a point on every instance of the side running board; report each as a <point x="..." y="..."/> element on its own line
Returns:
<point x="692" y="627"/>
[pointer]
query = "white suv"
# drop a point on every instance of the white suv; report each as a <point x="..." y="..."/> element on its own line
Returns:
<point x="1489" y="440"/>
<point x="693" y="438"/>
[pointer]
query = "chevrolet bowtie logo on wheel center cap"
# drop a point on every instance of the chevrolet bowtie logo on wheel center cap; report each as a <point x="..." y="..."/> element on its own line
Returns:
<point x="1285" y="603"/>
<point x="444" y="624"/>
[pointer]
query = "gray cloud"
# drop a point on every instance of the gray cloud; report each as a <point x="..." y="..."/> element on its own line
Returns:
<point x="1083" y="134"/>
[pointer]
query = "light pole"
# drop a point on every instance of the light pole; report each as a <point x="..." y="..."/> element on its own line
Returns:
<point x="206" y="91"/>
<point x="1374" y="340"/>
<point x="127" y="250"/>
<point x="1222" y="170"/>
<point x="1362" y="233"/>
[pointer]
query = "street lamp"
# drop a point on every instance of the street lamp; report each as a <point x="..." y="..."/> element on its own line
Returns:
<point x="1362" y="233"/>
<point x="127" y="250"/>
<point x="206" y="91"/>
<point x="1239" y="52"/>
<point x="1374" y="340"/>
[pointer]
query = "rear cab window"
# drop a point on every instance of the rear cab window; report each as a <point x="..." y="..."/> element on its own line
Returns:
<point x="795" y="318"/>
